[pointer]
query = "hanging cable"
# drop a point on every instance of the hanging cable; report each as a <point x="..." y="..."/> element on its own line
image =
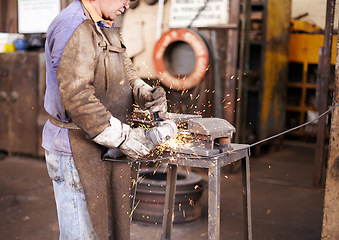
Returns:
<point x="247" y="147"/>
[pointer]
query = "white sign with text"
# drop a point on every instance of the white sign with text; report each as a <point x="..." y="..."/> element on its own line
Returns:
<point x="34" y="16"/>
<point x="198" y="13"/>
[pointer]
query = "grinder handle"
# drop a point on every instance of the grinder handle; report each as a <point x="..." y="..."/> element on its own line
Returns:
<point x="157" y="117"/>
<point x="156" y="114"/>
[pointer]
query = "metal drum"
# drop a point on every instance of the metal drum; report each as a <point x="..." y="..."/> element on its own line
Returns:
<point x="150" y="196"/>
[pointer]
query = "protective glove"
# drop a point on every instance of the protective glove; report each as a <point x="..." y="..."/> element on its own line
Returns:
<point x="137" y="145"/>
<point x="131" y="141"/>
<point x="142" y="92"/>
<point x="158" y="103"/>
<point x="152" y="99"/>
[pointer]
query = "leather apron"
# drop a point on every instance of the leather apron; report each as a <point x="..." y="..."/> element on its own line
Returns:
<point x="106" y="184"/>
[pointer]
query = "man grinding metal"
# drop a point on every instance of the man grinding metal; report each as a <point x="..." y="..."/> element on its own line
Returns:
<point x="90" y="88"/>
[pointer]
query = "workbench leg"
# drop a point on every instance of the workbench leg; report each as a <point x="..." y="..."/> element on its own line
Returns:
<point x="246" y="190"/>
<point x="214" y="203"/>
<point x="167" y="221"/>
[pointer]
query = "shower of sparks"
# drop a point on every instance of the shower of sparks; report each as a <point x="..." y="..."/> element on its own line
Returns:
<point x="134" y="209"/>
<point x="157" y="166"/>
<point x="181" y="139"/>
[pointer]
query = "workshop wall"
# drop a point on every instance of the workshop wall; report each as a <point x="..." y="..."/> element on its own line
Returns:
<point x="316" y="10"/>
<point x="139" y="34"/>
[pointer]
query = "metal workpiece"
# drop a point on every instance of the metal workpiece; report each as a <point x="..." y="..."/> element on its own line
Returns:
<point x="208" y="136"/>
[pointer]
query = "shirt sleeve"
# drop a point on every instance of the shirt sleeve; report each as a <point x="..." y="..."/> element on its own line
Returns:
<point x="76" y="76"/>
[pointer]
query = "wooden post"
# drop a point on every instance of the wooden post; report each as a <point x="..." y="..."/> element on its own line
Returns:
<point x="8" y="16"/>
<point x="322" y="93"/>
<point x="232" y="61"/>
<point x="331" y="211"/>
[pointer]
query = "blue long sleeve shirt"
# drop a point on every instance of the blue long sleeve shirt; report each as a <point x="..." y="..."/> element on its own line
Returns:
<point x="55" y="139"/>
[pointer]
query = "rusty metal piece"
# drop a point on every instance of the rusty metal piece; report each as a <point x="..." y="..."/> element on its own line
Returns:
<point x="209" y="136"/>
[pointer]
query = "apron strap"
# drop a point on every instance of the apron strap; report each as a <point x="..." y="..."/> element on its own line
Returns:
<point x="68" y="125"/>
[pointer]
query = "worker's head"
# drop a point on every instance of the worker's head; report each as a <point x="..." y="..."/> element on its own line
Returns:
<point x="111" y="9"/>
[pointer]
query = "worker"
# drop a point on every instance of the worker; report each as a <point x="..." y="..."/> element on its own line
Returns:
<point x="91" y="86"/>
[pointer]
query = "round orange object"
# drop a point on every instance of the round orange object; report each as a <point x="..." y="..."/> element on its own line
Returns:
<point x="181" y="59"/>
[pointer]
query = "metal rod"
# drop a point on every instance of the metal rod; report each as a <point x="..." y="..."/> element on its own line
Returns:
<point x="216" y="76"/>
<point x="214" y="202"/>
<point x="159" y="19"/>
<point x="167" y="221"/>
<point x="241" y="107"/>
<point x="135" y="175"/>
<point x="232" y="60"/>
<point x="246" y="191"/>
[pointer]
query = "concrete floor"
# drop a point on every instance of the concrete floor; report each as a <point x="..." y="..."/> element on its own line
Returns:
<point x="285" y="206"/>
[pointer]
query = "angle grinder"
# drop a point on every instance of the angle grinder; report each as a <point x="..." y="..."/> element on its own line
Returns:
<point x="164" y="130"/>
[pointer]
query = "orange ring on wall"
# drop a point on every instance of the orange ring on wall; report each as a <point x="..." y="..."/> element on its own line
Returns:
<point x="197" y="43"/>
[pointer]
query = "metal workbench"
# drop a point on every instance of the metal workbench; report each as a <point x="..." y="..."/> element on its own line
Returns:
<point x="240" y="152"/>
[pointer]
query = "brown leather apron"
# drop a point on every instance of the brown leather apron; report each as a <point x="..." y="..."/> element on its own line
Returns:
<point x="106" y="184"/>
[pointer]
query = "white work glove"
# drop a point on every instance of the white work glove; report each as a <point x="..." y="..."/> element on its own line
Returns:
<point x="137" y="145"/>
<point x="158" y="102"/>
<point x="152" y="99"/>
<point x="131" y="141"/>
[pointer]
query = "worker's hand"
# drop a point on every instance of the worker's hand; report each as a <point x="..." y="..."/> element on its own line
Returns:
<point x="131" y="141"/>
<point x="142" y="92"/>
<point x="158" y="102"/>
<point x="152" y="99"/>
<point x="137" y="145"/>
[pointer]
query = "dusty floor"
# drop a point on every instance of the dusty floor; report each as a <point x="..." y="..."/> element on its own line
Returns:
<point x="285" y="206"/>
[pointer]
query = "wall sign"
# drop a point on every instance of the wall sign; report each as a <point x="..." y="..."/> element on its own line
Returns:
<point x="182" y="13"/>
<point x="34" y="16"/>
